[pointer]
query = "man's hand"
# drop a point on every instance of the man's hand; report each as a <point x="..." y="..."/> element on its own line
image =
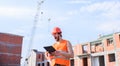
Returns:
<point x="58" y="53"/>
<point x="52" y="54"/>
<point x="49" y="56"/>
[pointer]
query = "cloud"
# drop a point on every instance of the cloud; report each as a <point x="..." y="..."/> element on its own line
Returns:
<point x="108" y="9"/>
<point x="114" y="11"/>
<point x="78" y="1"/>
<point x="109" y="26"/>
<point x="15" y="11"/>
<point x="73" y="12"/>
<point x="22" y="30"/>
<point x="103" y="6"/>
<point x="61" y="18"/>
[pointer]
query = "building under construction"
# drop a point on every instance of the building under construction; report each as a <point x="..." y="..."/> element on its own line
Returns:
<point x="105" y="51"/>
<point x="10" y="49"/>
<point x="37" y="58"/>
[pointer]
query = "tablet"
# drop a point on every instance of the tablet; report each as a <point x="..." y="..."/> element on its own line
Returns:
<point x="49" y="49"/>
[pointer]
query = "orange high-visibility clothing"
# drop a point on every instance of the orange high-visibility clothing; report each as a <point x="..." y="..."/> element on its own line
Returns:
<point x="62" y="46"/>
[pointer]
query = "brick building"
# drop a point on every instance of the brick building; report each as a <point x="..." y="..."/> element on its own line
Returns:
<point x="10" y="49"/>
<point x="105" y="51"/>
<point x="37" y="58"/>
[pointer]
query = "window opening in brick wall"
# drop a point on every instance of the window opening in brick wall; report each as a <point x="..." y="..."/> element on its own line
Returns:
<point x="42" y="64"/>
<point x="48" y="64"/>
<point x="111" y="57"/>
<point x="93" y="48"/>
<point x="98" y="44"/>
<point x="72" y="62"/>
<point x="84" y="47"/>
<point x="43" y="57"/>
<point x="119" y="37"/>
<point x="39" y="64"/>
<point x="39" y="56"/>
<point x="110" y="41"/>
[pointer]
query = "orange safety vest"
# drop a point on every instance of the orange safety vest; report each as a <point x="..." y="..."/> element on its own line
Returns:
<point x="62" y="46"/>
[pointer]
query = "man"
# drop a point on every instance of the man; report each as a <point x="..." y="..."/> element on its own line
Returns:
<point x="64" y="51"/>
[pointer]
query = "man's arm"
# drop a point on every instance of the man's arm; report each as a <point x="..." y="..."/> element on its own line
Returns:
<point x="70" y="50"/>
<point x="48" y="56"/>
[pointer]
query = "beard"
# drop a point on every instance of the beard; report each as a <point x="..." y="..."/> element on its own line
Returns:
<point x="57" y="38"/>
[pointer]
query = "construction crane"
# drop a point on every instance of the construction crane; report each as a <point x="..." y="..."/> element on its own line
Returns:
<point x="36" y="19"/>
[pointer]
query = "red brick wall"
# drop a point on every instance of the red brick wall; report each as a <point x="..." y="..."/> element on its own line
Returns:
<point x="9" y="59"/>
<point x="108" y="47"/>
<point x="78" y="51"/>
<point x="40" y="57"/>
<point x="99" y="49"/>
<point x="81" y="61"/>
<point x="74" y="50"/>
<point x="8" y="38"/>
<point x="3" y="48"/>
<point x="10" y="49"/>
<point x="88" y="48"/>
<point x="75" y="62"/>
<point x="78" y="62"/>
<point x="89" y="61"/>
<point x="16" y="50"/>
<point x="117" y="40"/>
<point x="118" y="58"/>
<point x="109" y="63"/>
<point x="3" y="58"/>
<point x="93" y="50"/>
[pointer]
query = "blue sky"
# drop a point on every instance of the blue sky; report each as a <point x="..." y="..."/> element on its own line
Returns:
<point x="80" y="20"/>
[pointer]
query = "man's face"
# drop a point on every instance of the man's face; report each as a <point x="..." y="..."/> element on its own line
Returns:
<point x="57" y="36"/>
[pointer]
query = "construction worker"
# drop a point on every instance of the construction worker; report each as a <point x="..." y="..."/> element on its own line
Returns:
<point x="64" y="51"/>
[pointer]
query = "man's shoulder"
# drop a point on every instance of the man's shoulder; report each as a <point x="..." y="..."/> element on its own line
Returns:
<point x="65" y="40"/>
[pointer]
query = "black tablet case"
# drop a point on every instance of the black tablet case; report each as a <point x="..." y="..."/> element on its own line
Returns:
<point x="49" y="49"/>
